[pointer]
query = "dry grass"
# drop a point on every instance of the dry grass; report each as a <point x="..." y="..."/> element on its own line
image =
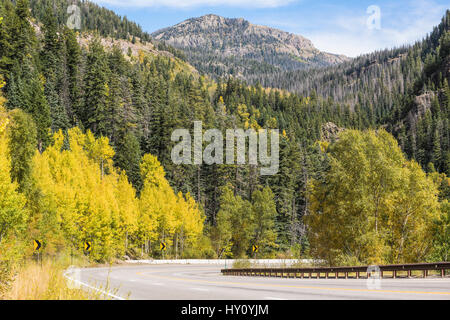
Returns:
<point x="44" y="282"/>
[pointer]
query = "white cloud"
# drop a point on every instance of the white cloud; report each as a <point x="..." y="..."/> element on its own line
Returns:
<point x="197" y="3"/>
<point x="399" y="26"/>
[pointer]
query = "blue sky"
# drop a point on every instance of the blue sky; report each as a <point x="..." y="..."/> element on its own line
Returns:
<point x="346" y="27"/>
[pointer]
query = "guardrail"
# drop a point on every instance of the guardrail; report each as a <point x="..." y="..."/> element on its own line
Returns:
<point x="395" y="271"/>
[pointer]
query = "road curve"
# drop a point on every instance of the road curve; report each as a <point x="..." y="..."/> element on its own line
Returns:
<point x="200" y="282"/>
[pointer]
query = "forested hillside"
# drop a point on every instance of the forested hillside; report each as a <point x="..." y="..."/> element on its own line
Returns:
<point x="92" y="18"/>
<point x="405" y="90"/>
<point x="86" y="136"/>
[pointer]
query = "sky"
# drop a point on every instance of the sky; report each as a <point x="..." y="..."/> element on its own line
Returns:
<point x="350" y="27"/>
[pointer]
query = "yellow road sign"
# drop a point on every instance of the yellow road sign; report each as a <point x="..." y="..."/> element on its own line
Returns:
<point x="37" y="244"/>
<point x="162" y="246"/>
<point x="255" y="248"/>
<point x="87" y="246"/>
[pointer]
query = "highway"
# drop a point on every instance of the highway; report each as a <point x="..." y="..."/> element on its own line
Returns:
<point x="200" y="282"/>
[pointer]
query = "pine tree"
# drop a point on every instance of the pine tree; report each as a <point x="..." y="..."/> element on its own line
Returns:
<point x="51" y="58"/>
<point x="96" y="90"/>
<point x="128" y="158"/>
<point x="22" y="143"/>
<point x="73" y="57"/>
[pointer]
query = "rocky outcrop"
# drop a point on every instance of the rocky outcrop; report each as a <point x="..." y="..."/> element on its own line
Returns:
<point x="330" y="132"/>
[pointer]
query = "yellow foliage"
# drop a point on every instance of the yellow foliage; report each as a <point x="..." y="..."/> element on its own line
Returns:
<point x="79" y="200"/>
<point x="162" y="213"/>
<point x="13" y="215"/>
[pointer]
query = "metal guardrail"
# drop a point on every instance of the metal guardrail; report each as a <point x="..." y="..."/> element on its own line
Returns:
<point x="396" y="270"/>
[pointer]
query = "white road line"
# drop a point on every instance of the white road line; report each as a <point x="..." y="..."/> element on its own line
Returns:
<point x="93" y="288"/>
<point x="200" y="289"/>
<point x="274" y="298"/>
<point x="157" y="284"/>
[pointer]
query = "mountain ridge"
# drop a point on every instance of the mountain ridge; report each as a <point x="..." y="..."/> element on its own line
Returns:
<point x="217" y="45"/>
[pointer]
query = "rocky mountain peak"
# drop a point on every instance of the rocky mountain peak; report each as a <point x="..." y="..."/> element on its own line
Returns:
<point x="221" y="46"/>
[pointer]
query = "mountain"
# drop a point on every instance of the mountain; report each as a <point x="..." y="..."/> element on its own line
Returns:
<point x="221" y="46"/>
<point x="60" y="79"/>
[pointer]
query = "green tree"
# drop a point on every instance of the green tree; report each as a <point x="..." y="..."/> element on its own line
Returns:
<point x="96" y="89"/>
<point x="73" y="54"/>
<point x="264" y="214"/>
<point x="22" y="143"/>
<point x="128" y="158"/>
<point x="52" y="62"/>
<point x="235" y="219"/>
<point x="373" y="206"/>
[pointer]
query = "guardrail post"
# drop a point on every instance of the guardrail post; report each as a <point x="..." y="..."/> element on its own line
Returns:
<point x="395" y="274"/>
<point x="443" y="273"/>
<point x="357" y="274"/>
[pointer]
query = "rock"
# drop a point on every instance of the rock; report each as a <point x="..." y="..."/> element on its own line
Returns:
<point x="330" y="132"/>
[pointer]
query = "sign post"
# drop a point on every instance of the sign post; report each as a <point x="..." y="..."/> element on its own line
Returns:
<point x="163" y="248"/>
<point x="255" y="249"/>
<point x="88" y="247"/>
<point x="37" y="245"/>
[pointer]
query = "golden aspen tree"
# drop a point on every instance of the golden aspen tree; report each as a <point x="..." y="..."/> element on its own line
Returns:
<point x="152" y="176"/>
<point x="164" y="215"/>
<point x="83" y="197"/>
<point x="128" y="209"/>
<point x="189" y="222"/>
<point x="13" y="214"/>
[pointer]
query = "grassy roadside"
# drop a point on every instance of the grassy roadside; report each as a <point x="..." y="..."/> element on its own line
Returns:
<point x="45" y="281"/>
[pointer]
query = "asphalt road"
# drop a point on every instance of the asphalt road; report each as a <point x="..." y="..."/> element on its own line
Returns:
<point x="200" y="282"/>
